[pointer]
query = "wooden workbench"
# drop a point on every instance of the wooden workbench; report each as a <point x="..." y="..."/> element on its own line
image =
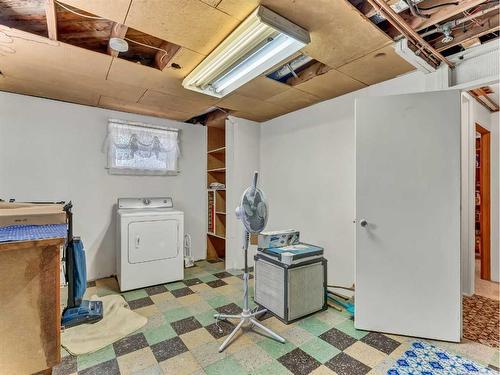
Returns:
<point x="30" y="306"/>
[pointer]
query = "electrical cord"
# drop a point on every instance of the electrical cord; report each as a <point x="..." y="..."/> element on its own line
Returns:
<point x="438" y="6"/>
<point x="149" y="46"/>
<point x="165" y="52"/>
<point x="78" y="14"/>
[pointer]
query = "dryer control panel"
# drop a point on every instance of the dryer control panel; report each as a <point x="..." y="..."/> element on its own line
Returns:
<point x="147" y="202"/>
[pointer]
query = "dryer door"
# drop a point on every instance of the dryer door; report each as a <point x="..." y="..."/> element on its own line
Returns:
<point x="152" y="240"/>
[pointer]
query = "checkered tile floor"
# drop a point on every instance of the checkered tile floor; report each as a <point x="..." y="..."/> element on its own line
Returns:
<point x="181" y="336"/>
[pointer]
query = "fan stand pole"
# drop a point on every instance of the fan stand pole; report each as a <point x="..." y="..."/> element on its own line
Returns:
<point x="246" y="316"/>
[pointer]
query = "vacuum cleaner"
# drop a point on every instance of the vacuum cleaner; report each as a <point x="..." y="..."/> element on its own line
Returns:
<point x="78" y="311"/>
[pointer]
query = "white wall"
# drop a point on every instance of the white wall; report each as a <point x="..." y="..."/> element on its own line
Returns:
<point x="242" y="159"/>
<point x="308" y="171"/>
<point x="52" y="150"/>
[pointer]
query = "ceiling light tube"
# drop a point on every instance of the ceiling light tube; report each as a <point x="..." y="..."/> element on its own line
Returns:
<point x="261" y="41"/>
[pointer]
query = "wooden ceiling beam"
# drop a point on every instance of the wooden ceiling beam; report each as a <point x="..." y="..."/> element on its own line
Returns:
<point x="162" y="58"/>
<point x="481" y="95"/>
<point x="51" y="17"/>
<point x="117" y="31"/>
<point x="398" y="22"/>
<point x="436" y="15"/>
<point x="442" y="14"/>
<point x="488" y="25"/>
<point x="308" y="73"/>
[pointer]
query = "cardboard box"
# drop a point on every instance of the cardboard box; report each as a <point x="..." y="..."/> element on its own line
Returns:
<point x="278" y="238"/>
<point x="31" y="214"/>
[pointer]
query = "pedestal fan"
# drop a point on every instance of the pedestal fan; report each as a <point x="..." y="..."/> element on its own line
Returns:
<point x="252" y="212"/>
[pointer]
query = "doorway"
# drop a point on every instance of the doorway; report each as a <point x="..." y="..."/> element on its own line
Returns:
<point x="483" y="205"/>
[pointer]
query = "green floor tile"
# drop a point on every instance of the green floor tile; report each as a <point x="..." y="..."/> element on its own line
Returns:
<point x="273" y="368"/>
<point x="218" y="301"/>
<point x="175" y="286"/>
<point x="176" y="314"/>
<point x="226" y="366"/>
<point x="134" y="294"/>
<point x="347" y="327"/>
<point x="162" y="333"/>
<point x="319" y="349"/>
<point x="314" y="325"/>
<point x="207" y="278"/>
<point x="88" y="360"/>
<point x="206" y="318"/>
<point x="274" y="348"/>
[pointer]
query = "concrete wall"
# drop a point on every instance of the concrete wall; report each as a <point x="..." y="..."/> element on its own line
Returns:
<point x="52" y="150"/>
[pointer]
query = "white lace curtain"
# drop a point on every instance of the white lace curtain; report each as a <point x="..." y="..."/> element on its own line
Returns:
<point x="141" y="149"/>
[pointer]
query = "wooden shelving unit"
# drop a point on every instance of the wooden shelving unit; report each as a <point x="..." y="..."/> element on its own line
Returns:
<point x="216" y="172"/>
<point x="478" y="200"/>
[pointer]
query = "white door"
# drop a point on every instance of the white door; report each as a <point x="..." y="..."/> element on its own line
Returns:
<point x="408" y="215"/>
<point x="152" y="240"/>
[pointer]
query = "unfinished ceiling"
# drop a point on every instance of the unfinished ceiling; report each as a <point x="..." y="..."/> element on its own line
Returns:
<point x="59" y="50"/>
<point x="449" y="26"/>
<point x="487" y="96"/>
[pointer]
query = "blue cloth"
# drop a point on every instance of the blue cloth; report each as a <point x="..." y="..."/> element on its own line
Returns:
<point x="423" y="358"/>
<point x="296" y="249"/>
<point x="32" y="232"/>
<point x="79" y="270"/>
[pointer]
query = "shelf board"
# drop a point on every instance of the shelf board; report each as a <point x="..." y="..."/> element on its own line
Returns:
<point x="216" y="170"/>
<point x="220" y="213"/>
<point x="217" y="150"/>
<point x="215" y="235"/>
<point x="216" y="189"/>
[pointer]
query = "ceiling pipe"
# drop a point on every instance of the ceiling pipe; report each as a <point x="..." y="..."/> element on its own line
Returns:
<point x="397" y="21"/>
<point x="451" y="24"/>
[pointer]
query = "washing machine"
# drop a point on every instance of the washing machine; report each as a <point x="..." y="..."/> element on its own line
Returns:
<point x="150" y="235"/>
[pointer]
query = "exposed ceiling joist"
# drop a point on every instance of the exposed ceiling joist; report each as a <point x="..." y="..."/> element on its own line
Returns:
<point x="481" y="95"/>
<point x="442" y="14"/>
<point x="117" y="31"/>
<point x="399" y="23"/>
<point x="162" y="58"/>
<point x="488" y="25"/>
<point x="308" y="73"/>
<point x="471" y="42"/>
<point x="50" y="14"/>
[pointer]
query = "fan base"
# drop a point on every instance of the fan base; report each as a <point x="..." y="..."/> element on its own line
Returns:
<point x="246" y="317"/>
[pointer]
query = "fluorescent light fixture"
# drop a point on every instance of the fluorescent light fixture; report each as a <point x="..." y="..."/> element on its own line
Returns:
<point x="261" y="41"/>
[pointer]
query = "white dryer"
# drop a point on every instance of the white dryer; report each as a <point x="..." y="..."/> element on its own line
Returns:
<point x="149" y="242"/>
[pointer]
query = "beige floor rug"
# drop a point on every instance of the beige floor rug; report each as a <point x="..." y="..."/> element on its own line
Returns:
<point x="118" y="321"/>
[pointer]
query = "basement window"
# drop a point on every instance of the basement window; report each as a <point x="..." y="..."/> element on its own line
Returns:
<point x="141" y="149"/>
<point x="298" y="70"/>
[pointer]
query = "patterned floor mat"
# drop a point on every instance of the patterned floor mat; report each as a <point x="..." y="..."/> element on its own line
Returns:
<point x="481" y="320"/>
<point x="425" y="359"/>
